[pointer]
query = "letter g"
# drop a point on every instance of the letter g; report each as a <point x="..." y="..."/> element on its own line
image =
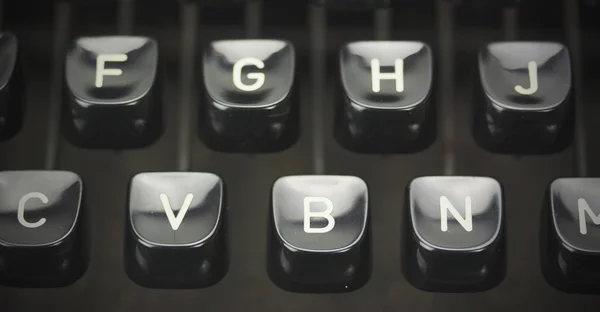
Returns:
<point x="237" y="74"/>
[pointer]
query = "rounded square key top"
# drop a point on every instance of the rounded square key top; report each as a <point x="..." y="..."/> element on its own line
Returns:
<point x="385" y="103"/>
<point x="571" y="235"/>
<point x="41" y="230"/>
<point x="113" y="92"/>
<point x="175" y="230"/>
<point x="523" y="101"/>
<point x="319" y="234"/>
<point x="249" y="100"/>
<point x="454" y="234"/>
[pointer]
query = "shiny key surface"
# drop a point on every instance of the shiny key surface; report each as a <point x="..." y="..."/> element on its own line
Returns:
<point x="112" y="99"/>
<point x="385" y="105"/>
<point x="319" y="234"/>
<point x="571" y="248"/>
<point x="525" y="105"/>
<point x="455" y="237"/>
<point x="175" y="236"/>
<point x="41" y="228"/>
<point x="249" y="105"/>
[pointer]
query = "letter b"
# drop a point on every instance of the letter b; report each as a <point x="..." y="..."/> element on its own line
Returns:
<point x="308" y="214"/>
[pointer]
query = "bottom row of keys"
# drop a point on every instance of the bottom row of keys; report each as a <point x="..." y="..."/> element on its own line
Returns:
<point x="319" y="235"/>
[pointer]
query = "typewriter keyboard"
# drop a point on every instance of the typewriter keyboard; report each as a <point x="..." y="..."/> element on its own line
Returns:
<point x="299" y="155"/>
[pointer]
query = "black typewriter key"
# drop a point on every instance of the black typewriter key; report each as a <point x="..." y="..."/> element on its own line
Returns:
<point x="249" y="105"/>
<point x="454" y="240"/>
<point x="112" y="92"/>
<point x="385" y="102"/>
<point x="571" y="235"/>
<point x="319" y="234"/>
<point x="176" y="232"/>
<point x="11" y="86"/>
<point x="523" y="101"/>
<point x="42" y="243"/>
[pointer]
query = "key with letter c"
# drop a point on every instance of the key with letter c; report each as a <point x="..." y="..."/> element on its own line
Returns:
<point x="42" y="243"/>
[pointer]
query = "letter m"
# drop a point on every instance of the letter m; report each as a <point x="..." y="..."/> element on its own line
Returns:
<point x="446" y="205"/>
<point x="583" y="209"/>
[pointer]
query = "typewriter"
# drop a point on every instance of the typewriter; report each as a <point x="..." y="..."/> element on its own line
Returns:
<point x="299" y="155"/>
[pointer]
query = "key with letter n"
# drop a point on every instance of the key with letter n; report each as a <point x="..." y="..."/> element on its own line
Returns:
<point x="460" y="234"/>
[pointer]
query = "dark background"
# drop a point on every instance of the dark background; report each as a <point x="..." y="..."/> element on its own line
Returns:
<point x="248" y="177"/>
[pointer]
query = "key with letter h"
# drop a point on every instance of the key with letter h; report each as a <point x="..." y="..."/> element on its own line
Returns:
<point x="318" y="240"/>
<point x="385" y="101"/>
<point x="571" y="235"/>
<point x="454" y="234"/>
<point x="176" y="232"/>
<point x="249" y="103"/>
<point x="113" y="92"/>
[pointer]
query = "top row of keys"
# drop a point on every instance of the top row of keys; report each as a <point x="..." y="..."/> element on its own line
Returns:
<point x="114" y="95"/>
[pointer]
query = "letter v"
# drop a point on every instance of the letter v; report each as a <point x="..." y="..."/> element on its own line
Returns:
<point x="176" y="221"/>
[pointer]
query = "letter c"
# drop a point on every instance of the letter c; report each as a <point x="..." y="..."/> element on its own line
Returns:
<point x="21" y="210"/>
<point x="237" y="74"/>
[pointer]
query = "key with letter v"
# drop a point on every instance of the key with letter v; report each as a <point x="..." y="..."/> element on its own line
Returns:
<point x="161" y="250"/>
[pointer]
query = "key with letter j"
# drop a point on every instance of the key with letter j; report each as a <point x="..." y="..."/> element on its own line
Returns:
<point x="523" y="101"/>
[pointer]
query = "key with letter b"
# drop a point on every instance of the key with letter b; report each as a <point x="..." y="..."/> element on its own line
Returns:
<point x="523" y="102"/>
<point x="319" y="234"/>
<point x="454" y="234"/>
<point x="249" y="105"/>
<point x="571" y="235"/>
<point x="113" y="92"/>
